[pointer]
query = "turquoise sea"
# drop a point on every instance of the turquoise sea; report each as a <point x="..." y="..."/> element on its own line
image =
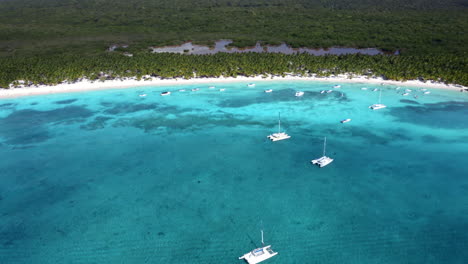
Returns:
<point x="111" y="177"/>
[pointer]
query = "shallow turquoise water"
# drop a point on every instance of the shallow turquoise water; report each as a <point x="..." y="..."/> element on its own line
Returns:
<point x="110" y="177"/>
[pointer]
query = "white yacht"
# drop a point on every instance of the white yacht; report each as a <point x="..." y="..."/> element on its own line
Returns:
<point x="324" y="160"/>
<point x="195" y="89"/>
<point x="181" y="90"/>
<point x="222" y="89"/>
<point x="329" y="91"/>
<point x="268" y="90"/>
<point x="375" y="90"/>
<point x="364" y="88"/>
<point x="427" y="92"/>
<point x="280" y="135"/>
<point x="379" y="105"/>
<point x="323" y="91"/>
<point x="259" y="254"/>
<point x="142" y="95"/>
<point x="299" y="93"/>
<point x="405" y="94"/>
<point x="337" y="86"/>
<point x="251" y="85"/>
<point x="345" y="120"/>
<point x="165" y="93"/>
<point x="211" y="87"/>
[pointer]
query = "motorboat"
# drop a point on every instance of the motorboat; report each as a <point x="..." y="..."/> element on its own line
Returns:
<point x="323" y="91"/>
<point x="345" y="120"/>
<point x="405" y="94"/>
<point x="299" y="93"/>
<point x="251" y="85"/>
<point x="427" y="92"/>
<point x="408" y="90"/>
<point x="165" y="93"/>
<point x="375" y="90"/>
<point x="181" y="90"/>
<point x="268" y="90"/>
<point x="222" y="89"/>
<point x="211" y="87"/>
<point x="280" y="135"/>
<point x="324" y="160"/>
<point x="329" y="91"/>
<point x="379" y="105"/>
<point x="337" y="86"/>
<point x="259" y="254"/>
<point x="142" y="95"/>
<point x="364" y="88"/>
<point x="195" y="89"/>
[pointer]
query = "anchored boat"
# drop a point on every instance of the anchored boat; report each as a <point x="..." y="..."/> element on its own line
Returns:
<point x="379" y="105"/>
<point x="280" y="135"/>
<point x="259" y="254"/>
<point x="324" y="160"/>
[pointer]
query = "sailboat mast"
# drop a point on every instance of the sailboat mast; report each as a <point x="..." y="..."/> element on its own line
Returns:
<point x="324" y="145"/>
<point x="263" y="243"/>
<point x="279" y="122"/>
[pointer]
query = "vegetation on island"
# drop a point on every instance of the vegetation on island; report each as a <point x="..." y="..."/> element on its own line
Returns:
<point x="49" y="41"/>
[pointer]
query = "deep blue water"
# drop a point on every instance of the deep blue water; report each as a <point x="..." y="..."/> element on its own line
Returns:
<point x="110" y="177"/>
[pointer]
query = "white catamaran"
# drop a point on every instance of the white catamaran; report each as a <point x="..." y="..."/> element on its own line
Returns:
<point x="280" y="135"/>
<point x="324" y="160"/>
<point x="379" y="105"/>
<point x="259" y="254"/>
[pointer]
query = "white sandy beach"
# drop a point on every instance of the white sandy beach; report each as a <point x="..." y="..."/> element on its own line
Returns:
<point x="87" y="85"/>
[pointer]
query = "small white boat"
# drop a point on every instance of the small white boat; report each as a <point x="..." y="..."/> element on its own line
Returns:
<point x="259" y="254"/>
<point x="165" y="93"/>
<point x="323" y="91"/>
<point x="375" y="90"/>
<point x="268" y="90"/>
<point x="324" y="160"/>
<point x="345" y="120"/>
<point x="195" y="89"/>
<point x="398" y="88"/>
<point x="337" y="86"/>
<point x="329" y="91"/>
<point x="251" y="85"/>
<point x="427" y="92"/>
<point x="405" y="94"/>
<point x="423" y="89"/>
<point x="364" y="88"/>
<point x="379" y="105"/>
<point x="280" y="135"/>
<point x="222" y="89"/>
<point x="299" y="93"/>
<point x="181" y="90"/>
<point x="142" y="95"/>
<point x="211" y="87"/>
<point x="408" y="90"/>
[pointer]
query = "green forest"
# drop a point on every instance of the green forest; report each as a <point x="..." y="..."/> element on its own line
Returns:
<point x="49" y="41"/>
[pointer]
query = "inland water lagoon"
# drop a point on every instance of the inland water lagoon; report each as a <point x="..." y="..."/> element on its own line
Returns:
<point x="112" y="177"/>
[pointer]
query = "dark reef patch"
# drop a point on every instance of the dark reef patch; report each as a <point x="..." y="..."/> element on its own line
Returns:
<point x="451" y="115"/>
<point x="187" y="122"/>
<point x="7" y="105"/>
<point x="124" y="108"/>
<point x="284" y="95"/>
<point x="29" y="126"/>
<point x="406" y="101"/>
<point x="99" y="122"/>
<point x="69" y="101"/>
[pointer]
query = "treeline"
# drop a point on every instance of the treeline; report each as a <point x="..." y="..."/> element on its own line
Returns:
<point x="59" y="68"/>
<point x="90" y="26"/>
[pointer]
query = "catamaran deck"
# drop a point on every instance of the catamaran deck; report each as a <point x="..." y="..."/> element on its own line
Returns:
<point x="259" y="254"/>
<point x="322" y="161"/>
<point x="278" y="136"/>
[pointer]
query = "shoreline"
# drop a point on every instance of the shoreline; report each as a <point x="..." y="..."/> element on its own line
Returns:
<point x="87" y="85"/>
